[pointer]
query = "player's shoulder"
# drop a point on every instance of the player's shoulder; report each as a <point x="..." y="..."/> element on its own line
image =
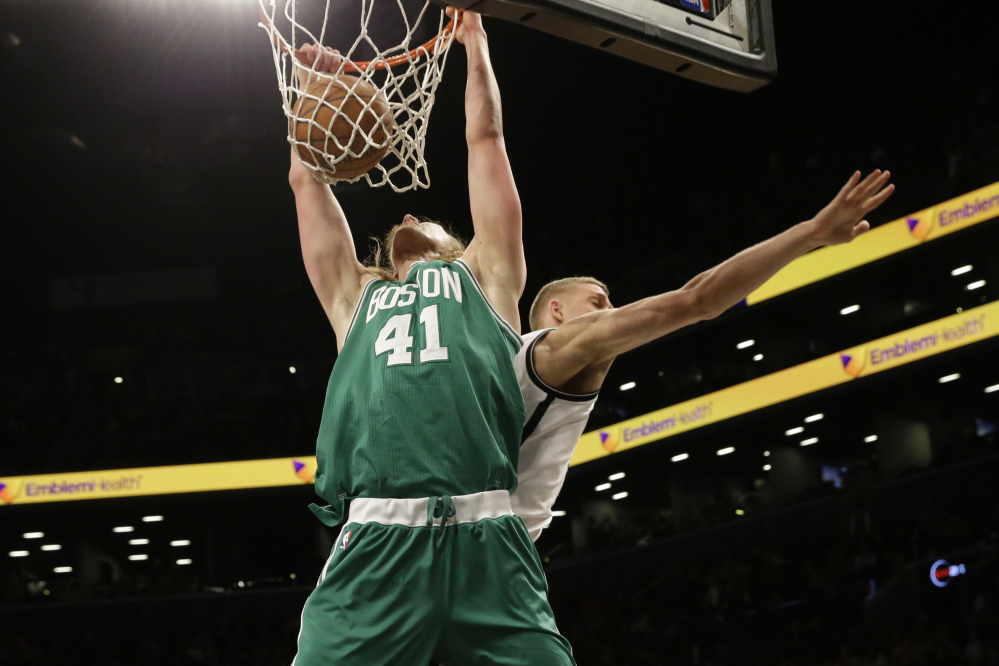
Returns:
<point x="530" y="340"/>
<point x="528" y="374"/>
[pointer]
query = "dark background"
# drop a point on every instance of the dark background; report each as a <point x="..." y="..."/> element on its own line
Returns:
<point x="628" y="173"/>
<point x="148" y="136"/>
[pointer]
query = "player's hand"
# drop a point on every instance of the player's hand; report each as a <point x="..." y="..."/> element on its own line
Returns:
<point x="843" y="219"/>
<point x="469" y="24"/>
<point x="318" y="58"/>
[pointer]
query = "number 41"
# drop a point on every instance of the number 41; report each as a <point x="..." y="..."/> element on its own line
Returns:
<point x="395" y="339"/>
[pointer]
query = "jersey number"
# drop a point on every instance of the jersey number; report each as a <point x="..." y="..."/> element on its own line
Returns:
<point x="395" y="339"/>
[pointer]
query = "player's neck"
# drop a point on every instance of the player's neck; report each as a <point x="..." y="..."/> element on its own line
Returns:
<point x="403" y="266"/>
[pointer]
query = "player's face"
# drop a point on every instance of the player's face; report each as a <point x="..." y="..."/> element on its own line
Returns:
<point x="584" y="299"/>
<point x="414" y="239"/>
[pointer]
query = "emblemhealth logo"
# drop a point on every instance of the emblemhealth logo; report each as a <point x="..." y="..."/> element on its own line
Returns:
<point x="8" y="493"/>
<point x="304" y="471"/>
<point x="609" y="439"/>
<point x="920" y="225"/>
<point x="853" y="363"/>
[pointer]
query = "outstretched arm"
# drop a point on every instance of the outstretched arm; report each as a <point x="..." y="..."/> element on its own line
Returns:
<point x="496" y="253"/>
<point x="595" y="339"/>
<point x="327" y="245"/>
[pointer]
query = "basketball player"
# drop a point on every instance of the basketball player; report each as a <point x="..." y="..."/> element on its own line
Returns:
<point x="577" y="334"/>
<point x="420" y="432"/>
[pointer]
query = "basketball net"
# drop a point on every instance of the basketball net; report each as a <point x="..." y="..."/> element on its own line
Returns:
<point x="407" y="75"/>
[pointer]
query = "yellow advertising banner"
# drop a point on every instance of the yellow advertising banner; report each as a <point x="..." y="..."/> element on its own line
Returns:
<point x="889" y="352"/>
<point x="157" y="480"/>
<point x="883" y="241"/>
<point x="847" y="365"/>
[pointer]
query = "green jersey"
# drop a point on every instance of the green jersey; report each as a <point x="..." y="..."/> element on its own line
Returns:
<point x="423" y="399"/>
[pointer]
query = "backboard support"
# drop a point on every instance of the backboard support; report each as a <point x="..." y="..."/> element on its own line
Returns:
<point x="723" y="43"/>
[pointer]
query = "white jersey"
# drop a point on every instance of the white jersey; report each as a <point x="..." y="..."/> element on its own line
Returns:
<point x="554" y="422"/>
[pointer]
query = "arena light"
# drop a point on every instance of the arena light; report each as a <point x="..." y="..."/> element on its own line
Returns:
<point x="616" y="477"/>
<point x="138" y="557"/>
<point x="794" y="431"/>
<point x="727" y="450"/>
<point x="745" y="343"/>
<point x="766" y="454"/>
<point x="680" y="456"/>
<point x="871" y="438"/>
<point x="291" y="369"/>
<point x="814" y="417"/>
<point x="52" y="546"/>
<point x="975" y="285"/>
<point x="118" y="380"/>
<point x="941" y="572"/>
<point x="18" y="553"/>
<point x="152" y="519"/>
<point x="33" y="535"/>
<point x="992" y="389"/>
<point x="766" y="468"/>
<point x="620" y="495"/>
<point x="850" y="309"/>
<point x="124" y="528"/>
<point x="138" y="542"/>
<point x="961" y="271"/>
<point x="949" y="378"/>
<point x="556" y="514"/>
<point x="758" y="357"/>
<point x="602" y="487"/>
<point x="740" y="512"/>
<point x="185" y="561"/>
<point x="180" y="542"/>
<point x="63" y="570"/>
<point x="627" y="386"/>
<point x="809" y="441"/>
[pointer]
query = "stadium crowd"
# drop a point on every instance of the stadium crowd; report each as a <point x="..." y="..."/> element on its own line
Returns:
<point x="798" y="603"/>
<point x="792" y="603"/>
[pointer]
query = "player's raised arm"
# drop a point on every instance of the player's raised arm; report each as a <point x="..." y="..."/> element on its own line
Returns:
<point x="327" y="245"/>
<point x="595" y="338"/>
<point x="496" y="252"/>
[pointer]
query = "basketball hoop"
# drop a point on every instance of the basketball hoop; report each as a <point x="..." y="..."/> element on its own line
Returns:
<point x="406" y="78"/>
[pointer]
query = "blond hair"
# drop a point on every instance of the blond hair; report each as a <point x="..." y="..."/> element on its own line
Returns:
<point x="556" y="289"/>
<point x="379" y="262"/>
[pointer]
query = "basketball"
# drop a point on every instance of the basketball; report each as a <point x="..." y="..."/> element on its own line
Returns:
<point x="348" y="102"/>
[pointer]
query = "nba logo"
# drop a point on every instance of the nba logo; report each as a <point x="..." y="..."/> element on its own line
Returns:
<point x="345" y="539"/>
<point x="919" y="227"/>
<point x="852" y="365"/>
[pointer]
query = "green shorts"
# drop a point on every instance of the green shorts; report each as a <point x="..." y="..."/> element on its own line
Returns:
<point x="453" y="580"/>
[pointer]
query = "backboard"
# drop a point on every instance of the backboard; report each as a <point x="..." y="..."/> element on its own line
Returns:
<point x="724" y="43"/>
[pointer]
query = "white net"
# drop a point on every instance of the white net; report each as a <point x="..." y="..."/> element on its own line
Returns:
<point x="348" y="118"/>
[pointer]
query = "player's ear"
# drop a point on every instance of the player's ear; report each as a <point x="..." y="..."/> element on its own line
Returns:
<point x="555" y="310"/>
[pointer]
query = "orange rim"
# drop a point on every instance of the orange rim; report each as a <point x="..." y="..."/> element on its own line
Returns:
<point x="427" y="48"/>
